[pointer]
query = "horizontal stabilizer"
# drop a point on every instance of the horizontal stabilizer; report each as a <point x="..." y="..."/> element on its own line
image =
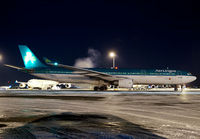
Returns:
<point x="15" y="67"/>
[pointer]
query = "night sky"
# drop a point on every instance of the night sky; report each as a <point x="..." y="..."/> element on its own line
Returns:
<point x="145" y="34"/>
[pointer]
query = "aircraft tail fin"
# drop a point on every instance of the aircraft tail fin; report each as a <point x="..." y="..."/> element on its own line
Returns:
<point x="29" y="59"/>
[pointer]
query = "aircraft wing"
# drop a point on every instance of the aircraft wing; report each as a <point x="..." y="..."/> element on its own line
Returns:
<point x="89" y="73"/>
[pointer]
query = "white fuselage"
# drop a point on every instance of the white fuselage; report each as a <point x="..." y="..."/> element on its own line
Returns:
<point x="137" y="79"/>
<point x="42" y="84"/>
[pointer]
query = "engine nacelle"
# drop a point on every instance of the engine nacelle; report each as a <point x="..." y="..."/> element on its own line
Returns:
<point x="22" y="85"/>
<point x="68" y="85"/>
<point x="125" y="83"/>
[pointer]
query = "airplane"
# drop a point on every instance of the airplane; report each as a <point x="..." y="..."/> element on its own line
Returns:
<point x="43" y="84"/>
<point x="39" y="84"/>
<point x="100" y="78"/>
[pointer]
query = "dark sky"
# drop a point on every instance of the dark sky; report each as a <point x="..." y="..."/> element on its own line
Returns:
<point x="145" y="34"/>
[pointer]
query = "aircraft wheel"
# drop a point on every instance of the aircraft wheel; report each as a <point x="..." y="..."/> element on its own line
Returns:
<point x="176" y="88"/>
<point x="103" y="88"/>
<point x="96" y="88"/>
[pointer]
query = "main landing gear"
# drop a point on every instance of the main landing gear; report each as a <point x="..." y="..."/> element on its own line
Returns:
<point x="100" y="88"/>
<point x="179" y="87"/>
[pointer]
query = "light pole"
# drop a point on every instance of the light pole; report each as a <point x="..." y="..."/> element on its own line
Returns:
<point x="112" y="55"/>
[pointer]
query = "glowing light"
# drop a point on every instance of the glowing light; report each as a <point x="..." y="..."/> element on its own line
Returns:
<point x="55" y="63"/>
<point x="112" y="54"/>
<point x="29" y="57"/>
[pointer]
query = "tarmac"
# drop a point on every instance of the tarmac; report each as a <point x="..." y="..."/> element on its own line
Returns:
<point x="88" y="114"/>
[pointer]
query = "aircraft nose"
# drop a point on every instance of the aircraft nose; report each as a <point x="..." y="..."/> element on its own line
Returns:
<point x="193" y="78"/>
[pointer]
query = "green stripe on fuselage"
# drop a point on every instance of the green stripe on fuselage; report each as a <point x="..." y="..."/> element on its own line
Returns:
<point x="156" y="72"/>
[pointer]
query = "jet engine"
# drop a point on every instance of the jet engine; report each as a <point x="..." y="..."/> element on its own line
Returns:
<point x="22" y="85"/>
<point x="68" y="85"/>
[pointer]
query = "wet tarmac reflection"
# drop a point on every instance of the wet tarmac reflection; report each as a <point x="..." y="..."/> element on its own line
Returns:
<point x="73" y="125"/>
